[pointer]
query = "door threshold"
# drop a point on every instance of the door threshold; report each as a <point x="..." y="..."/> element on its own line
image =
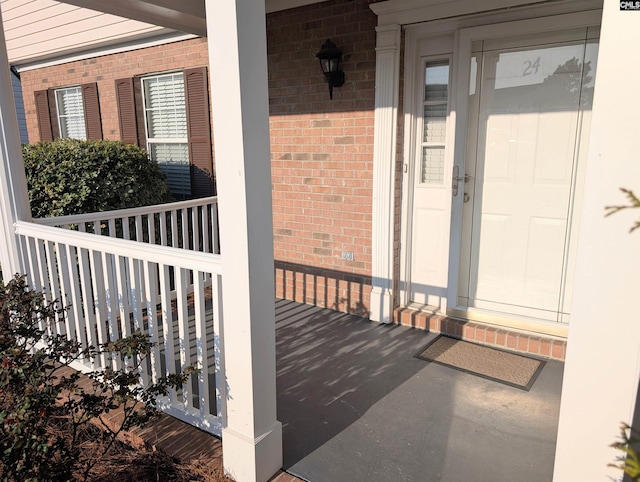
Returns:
<point x="544" y="345"/>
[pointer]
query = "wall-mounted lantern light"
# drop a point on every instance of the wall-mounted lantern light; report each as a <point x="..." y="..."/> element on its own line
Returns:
<point x="330" y="57"/>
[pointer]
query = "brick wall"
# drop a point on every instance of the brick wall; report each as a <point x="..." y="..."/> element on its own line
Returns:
<point x="105" y="70"/>
<point x="322" y="150"/>
<point x="322" y="154"/>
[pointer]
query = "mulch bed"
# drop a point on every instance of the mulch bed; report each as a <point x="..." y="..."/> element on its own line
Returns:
<point x="123" y="463"/>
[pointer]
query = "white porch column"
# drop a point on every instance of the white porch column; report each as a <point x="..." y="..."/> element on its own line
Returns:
<point x="384" y="160"/>
<point x="14" y="198"/>
<point x="603" y="353"/>
<point x="252" y="437"/>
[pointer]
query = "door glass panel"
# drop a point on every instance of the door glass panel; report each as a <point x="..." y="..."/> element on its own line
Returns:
<point x="432" y="165"/>
<point x="436" y="81"/>
<point x="528" y="125"/>
<point x="435" y="118"/>
<point x="436" y="108"/>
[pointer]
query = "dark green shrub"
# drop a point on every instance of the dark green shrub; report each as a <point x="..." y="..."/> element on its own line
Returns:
<point x="44" y="413"/>
<point x="68" y="176"/>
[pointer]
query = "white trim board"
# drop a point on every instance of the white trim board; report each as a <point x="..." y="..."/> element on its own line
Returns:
<point x="384" y="164"/>
<point x="168" y="37"/>
<point x="407" y="12"/>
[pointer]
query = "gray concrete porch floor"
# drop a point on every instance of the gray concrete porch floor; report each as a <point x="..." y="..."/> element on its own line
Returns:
<point x="357" y="406"/>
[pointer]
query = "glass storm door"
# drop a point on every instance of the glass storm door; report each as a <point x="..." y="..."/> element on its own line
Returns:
<point x="530" y="101"/>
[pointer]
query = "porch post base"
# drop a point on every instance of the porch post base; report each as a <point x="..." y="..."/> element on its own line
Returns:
<point x="381" y="305"/>
<point x="257" y="460"/>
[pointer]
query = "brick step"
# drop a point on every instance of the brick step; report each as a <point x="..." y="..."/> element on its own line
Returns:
<point x="545" y="346"/>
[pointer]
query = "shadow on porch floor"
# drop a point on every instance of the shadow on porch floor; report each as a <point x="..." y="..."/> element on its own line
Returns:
<point x="357" y="406"/>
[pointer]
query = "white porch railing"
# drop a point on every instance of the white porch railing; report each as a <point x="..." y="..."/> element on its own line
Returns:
<point x="113" y="287"/>
<point x="187" y="224"/>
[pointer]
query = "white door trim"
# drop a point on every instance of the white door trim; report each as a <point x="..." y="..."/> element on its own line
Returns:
<point x="384" y="165"/>
<point x="408" y="108"/>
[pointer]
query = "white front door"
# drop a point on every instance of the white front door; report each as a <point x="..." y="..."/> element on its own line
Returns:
<point x="529" y="101"/>
<point x="431" y="187"/>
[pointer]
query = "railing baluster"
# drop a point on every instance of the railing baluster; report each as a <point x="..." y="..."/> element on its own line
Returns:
<point x="139" y="230"/>
<point x="76" y="300"/>
<point x="218" y="336"/>
<point x="87" y="296"/>
<point x="214" y="227"/>
<point x="204" y="219"/>
<point x="167" y="325"/>
<point x="124" y="295"/>
<point x="163" y="228"/>
<point x="152" y="319"/>
<point x="99" y="301"/>
<point x="34" y="279"/>
<point x="44" y="280"/>
<point x="195" y="230"/>
<point x="112" y="228"/>
<point x="57" y="324"/>
<point x="111" y="292"/>
<point x="151" y="228"/>
<point x="125" y="228"/>
<point x="201" y="342"/>
<point x="68" y="317"/>
<point x="137" y="301"/>
<point x="174" y="229"/>
<point x="42" y="269"/>
<point x="183" y="330"/>
<point x="185" y="228"/>
<point x="23" y="252"/>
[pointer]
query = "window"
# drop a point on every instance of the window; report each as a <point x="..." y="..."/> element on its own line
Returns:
<point x="69" y="112"/>
<point x="166" y="128"/>
<point x="168" y="114"/>
<point x="434" y="122"/>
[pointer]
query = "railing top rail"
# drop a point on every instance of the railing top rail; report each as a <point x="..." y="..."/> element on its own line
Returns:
<point x="154" y="253"/>
<point x="121" y="213"/>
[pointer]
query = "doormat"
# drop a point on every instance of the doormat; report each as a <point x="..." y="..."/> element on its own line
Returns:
<point x="501" y="366"/>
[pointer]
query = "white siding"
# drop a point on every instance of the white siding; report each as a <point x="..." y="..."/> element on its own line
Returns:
<point x="17" y="95"/>
<point x="41" y="29"/>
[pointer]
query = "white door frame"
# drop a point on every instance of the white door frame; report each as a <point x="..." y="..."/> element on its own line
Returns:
<point x="465" y="34"/>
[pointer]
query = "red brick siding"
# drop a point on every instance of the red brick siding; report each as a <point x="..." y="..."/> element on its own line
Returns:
<point x="321" y="150"/>
<point x="499" y="337"/>
<point x="322" y="154"/>
<point x="104" y="70"/>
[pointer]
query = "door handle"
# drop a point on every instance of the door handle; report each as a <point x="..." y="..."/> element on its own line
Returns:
<point x="457" y="178"/>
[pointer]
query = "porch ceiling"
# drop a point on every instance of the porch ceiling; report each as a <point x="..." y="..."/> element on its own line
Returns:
<point x="186" y="15"/>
